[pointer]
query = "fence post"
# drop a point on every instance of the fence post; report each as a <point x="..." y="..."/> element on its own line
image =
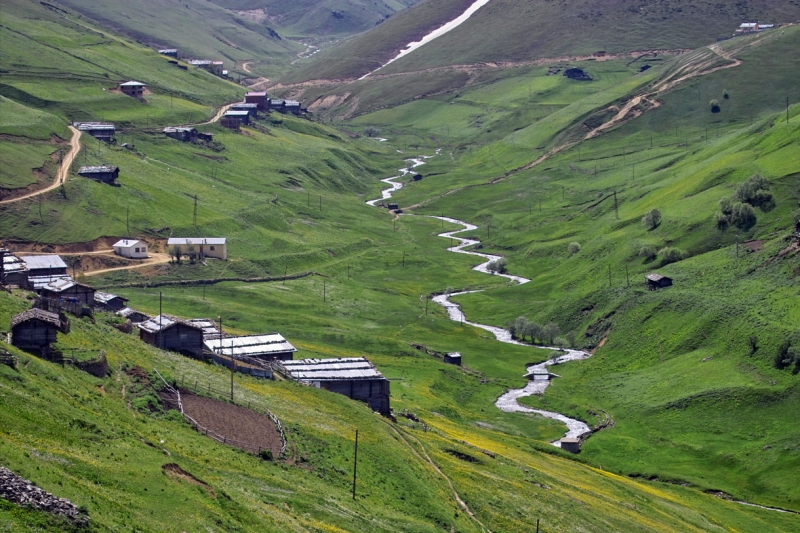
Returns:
<point x="195" y="386"/>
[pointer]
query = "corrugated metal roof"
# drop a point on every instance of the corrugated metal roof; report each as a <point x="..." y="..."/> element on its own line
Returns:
<point x="94" y="126"/>
<point x="655" y="277"/>
<point x="235" y="113"/>
<point x="276" y="102"/>
<point x="349" y="368"/>
<point x="60" y="285"/>
<point x="250" y="345"/>
<point x="196" y="240"/>
<point x="132" y="84"/>
<point x="199" y="62"/>
<point x="127" y="311"/>
<point x="105" y="297"/>
<point x="40" y="282"/>
<point x="126" y="243"/>
<point x="291" y="102"/>
<point x="12" y="263"/>
<point x="98" y="169"/>
<point x="173" y="129"/>
<point x="244" y="105"/>
<point x="208" y="326"/>
<point x="168" y="51"/>
<point x="255" y="93"/>
<point x="43" y="261"/>
<point x="160" y="322"/>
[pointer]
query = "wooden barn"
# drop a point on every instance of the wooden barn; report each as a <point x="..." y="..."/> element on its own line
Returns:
<point x="277" y="105"/>
<point x="252" y="109"/>
<point x="453" y="358"/>
<point x="657" y="281"/>
<point x="169" y="52"/>
<point x="69" y="290"/>
<point x="109" y="302"/>
<point x="136" y="317"/>
<point x="267" y="347"/>
<point x="104" y="173"/>
<point x="44" y="265"/>
<point x="354" y="377"/>
<point x="13" y="270"/>
<point x="243" y="116"/>
<point x="99" y="130"/>
<point x="231" y="123"/>
<point x="577" y="74"/>
<point x="293" y="107"/>
<point x="35" y="330"/>
<point x="180" y="133"/>
<point x="131" y="249"/>
<point x="571" y="445"/>
<point x="132" y="88"/>
<point x="172" y="333"/>
<point x="258" y="98"/>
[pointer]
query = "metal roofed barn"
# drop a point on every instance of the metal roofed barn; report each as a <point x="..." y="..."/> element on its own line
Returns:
<point x="172" y="333"/>
<point x="270" y="346"/>
<point x="207" y="246"/>
<point x="657" y="281"/>
<point x="354" y="377"/>
<point x="105" y="174"/>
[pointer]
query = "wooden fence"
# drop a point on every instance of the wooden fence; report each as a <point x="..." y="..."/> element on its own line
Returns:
<point x="210" y="392"/>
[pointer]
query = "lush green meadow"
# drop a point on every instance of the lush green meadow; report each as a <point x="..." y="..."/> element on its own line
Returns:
<point x="695" y="408"/>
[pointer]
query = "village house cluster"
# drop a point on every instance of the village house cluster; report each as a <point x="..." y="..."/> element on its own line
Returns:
<point x="259" y="355"/>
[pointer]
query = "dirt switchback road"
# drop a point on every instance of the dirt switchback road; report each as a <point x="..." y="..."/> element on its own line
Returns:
<point x="154" y="259"/>
<point x="63" y="170"/>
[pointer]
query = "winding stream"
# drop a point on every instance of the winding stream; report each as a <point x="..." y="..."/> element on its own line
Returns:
<point x="508" y="401"/>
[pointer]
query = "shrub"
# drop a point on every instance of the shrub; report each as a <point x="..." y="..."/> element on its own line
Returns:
<point x="743" y="216"/>
<point x="648" y="251"/>
<point x="518" y="327"/>
<point x="573" y="248"/>
<point x="755" y="191"/>
<point x="714" y="105"/>
<point x="752" y="341"/>
<point x="671" y="255"/>
<point x="369" y="131"/>
<point x="651" y="219"/>
<point x="725" y="94"/>
<point x="498" y="266"/>
<point x="561" y="342"/>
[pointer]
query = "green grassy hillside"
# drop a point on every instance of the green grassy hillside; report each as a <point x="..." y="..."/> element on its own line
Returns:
<point x="313" y="19"/>
<point x="198" y="29"/>
<point x="516" y="30"/>
<point x="698" y="409"/>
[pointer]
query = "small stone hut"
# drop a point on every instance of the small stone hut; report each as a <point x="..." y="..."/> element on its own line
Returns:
<point x="104" y="173"/>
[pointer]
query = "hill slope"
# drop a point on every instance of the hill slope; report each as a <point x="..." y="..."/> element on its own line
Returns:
<point x="517" y="30"/>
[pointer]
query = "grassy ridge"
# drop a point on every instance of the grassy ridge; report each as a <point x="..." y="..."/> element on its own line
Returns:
<point x="515" y="30"/>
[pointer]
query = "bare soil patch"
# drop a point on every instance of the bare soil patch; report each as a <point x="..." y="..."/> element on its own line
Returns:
<point x="174" y="471"/>
<point x="242" y="427"/>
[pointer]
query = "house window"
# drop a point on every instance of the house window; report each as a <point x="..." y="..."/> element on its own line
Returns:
<point x="136" y="250"/>
<point x="211" y="248"/>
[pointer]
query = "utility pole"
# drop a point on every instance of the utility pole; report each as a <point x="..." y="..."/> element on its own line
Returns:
<point x="195" y="211"/>
<point x="633" y="172"/>
<point x="160" y="315"/>
<point x="488" y="229"/>
<point x="204" y="291"/>
<point x="355" y="466"/>
<point x="787" y="109"/>
<point x="737" y="245"/>
<point x="404" y="258"/>
<point x="348" y="270"/>
<point x="127" y="219"/>
<point x="609" y="275"/>
<point x="426" y="305"/>
<point x="616" y="210"/>
<point x="320" y="203"/>
<point x="540" y="204"/>
<point x="324" y="296"/>
<point x="627" y="277"/>
<point x="284" y="274"/>
<point x="308" y="200"/>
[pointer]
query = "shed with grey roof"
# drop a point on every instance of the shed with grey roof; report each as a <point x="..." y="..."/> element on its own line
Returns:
<point x="267" y="347"/>
<point x="354" y="377"/>
<point x="69" y="290"/>
<point x="657" y="281"/>
<point x="13" y="270"/>
<point x="44" y="265"/>
<point x="171" y="333"/>
<point x="243" y="116"/>
<point x="99" y="130"/>
<point x="136" y="317"/>
<point x="104" y="173"/>
<point x="132" y="88"/>
<point x="110" y="302"/>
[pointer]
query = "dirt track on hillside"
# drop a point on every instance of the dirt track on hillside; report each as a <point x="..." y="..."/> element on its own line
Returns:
<point x="63" y="170"/>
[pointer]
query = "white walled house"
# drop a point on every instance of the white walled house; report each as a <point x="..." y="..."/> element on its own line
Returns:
<point x="205" y="246"/>
<point x="131" y="248"/>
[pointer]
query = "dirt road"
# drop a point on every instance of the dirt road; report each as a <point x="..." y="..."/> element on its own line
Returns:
<point x="219" y="114"/>
<point x="63" y="170"/>
<point x="154" y="259"/>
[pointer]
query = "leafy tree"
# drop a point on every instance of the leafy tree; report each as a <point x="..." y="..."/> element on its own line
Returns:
<point x="752" y="341"/>
<point x="782" y="357"/>
<point x="550" y="332"/>
<point x="534" y="330"/>
<point x="518" y="327"/>
<point x="574" y="248"/>
<point x="571" y="336"/>
<point x="651" y="219"/>
<point x="370" y="131"/>
<point x="714" y="105"/>
<point x="725" y="94"/>
<point x="176" y="252"/>
<point x="755" y="191"/>
<point x="498" y="266"/>
<point x="743" y="216"/>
